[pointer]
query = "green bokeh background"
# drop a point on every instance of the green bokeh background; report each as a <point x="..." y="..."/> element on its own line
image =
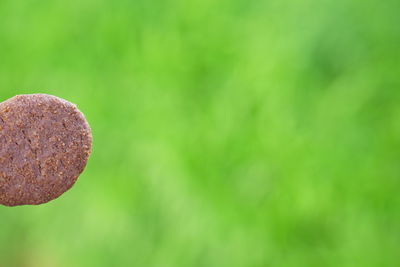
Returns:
<point x="226" y="132"/>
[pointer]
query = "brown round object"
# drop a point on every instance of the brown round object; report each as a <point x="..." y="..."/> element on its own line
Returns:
<point x="45" y="143"/>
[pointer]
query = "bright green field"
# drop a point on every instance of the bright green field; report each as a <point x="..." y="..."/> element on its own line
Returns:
<point x="227" y="133"/>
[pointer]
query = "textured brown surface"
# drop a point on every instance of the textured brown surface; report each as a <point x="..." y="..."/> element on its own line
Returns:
<point x="45" y="143"/>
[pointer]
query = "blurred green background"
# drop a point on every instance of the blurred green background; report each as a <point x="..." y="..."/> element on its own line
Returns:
<point x="226" y="132"/>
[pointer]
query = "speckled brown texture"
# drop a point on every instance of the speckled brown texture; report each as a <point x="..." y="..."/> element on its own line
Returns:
<point x="45" y="143"/>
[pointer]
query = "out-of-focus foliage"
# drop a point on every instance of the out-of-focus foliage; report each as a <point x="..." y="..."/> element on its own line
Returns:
<point x="226" y="132"/>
